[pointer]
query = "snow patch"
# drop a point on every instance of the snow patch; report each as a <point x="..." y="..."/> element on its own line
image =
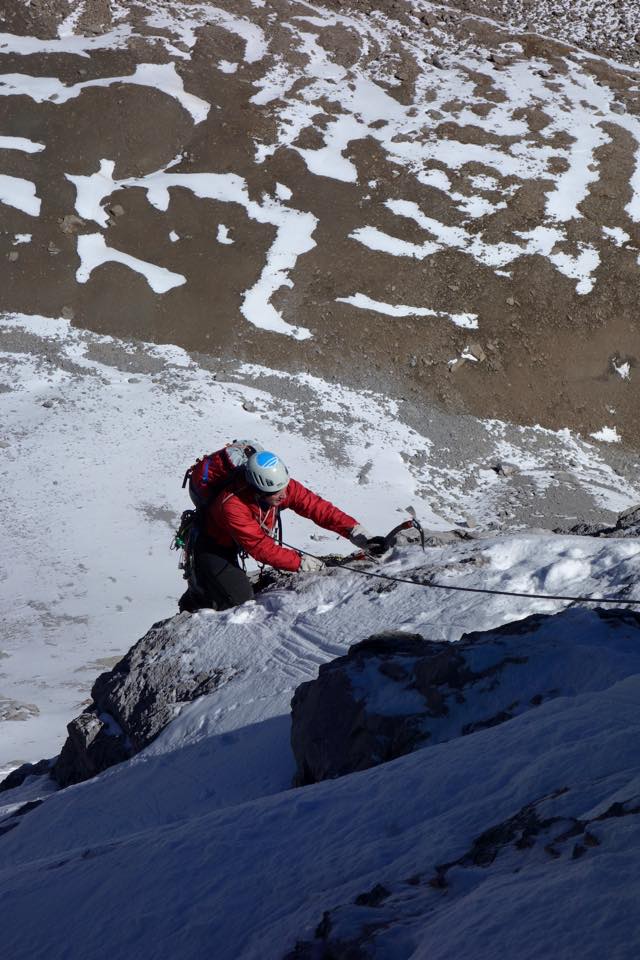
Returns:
<point x="623" y="369"/>
<point x="607" y="435"/>
<point x="360" y="300"/>
<point x="20" y="143"/>
<point x="157" y="76"/>
<point x="223" y="234"/>
<point x="20" y="194"/>
<point x="93" y="252"/>
<point x="617" y="235"/>
<point x="68" y="43"/>
<point x="294" y="228"/>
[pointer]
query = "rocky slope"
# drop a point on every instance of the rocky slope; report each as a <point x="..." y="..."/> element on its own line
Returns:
<point x="407" y="196"/>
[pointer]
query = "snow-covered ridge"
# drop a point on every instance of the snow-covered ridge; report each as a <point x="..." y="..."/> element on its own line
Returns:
<point x="214" y="789"/>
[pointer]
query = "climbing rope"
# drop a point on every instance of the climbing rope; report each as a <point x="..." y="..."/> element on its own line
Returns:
<point x="500" y="593"/>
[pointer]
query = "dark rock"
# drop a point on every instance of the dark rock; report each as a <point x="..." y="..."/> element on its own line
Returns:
<point x="627" y="525"/>
<point x="18" y="776"/>
<point x="71" y="223"/>
<point x="131" y="705"/>
<point x="336" y="728"/>
<point x="395" y="693"/>
<point x="505" y="469"/>
<point x="96" y="18"/>
<point x="89" y="749"/>
<point x="373" y="897"/>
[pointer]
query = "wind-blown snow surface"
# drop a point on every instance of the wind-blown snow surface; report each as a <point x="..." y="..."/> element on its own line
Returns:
<point x="198" y="846"/>
<point x="95" y="435"/>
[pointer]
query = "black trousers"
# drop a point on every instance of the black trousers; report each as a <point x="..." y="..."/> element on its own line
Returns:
<point x="218" y="581"/>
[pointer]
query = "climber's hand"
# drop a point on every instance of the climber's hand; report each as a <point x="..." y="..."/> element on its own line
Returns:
<point x="376" y="546"/>
<point x="360" y="537"/>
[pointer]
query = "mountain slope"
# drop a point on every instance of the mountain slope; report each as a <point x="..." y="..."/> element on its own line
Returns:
<point x="197" y="844"/>
<point x="407" y="197"/>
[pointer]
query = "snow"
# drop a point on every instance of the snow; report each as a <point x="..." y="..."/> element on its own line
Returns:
<point x="105" y="530"/>
<point x="606" y="435"/>
<point x="617" y="235"/>
<point x="378" y="240"/>
<point x="223" y="234"/>
<point x="213" y="791"/>
<point x="582" y="112"/>
<point x="541" y="240"/>
<point x="19" y="193"/>
<point x="623" y="369"/>
<point x="93" y="252"/>
<point x="20" y="143"/>
<point x="85" y="569"/>
<point x="158" y="76"/>
<point x="468" y="320"/>
<point x="283" y="192"/>
<point x="68" y="26"/>
<point x="66" y="42"/>
<point x="184" y="19"/>
<point x="294" y="228"/>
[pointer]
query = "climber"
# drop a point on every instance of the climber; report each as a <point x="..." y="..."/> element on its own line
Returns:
<point x="243" y="520"/>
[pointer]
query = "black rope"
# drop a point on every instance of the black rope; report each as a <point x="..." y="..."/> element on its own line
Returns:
<point x="499" y="593"/>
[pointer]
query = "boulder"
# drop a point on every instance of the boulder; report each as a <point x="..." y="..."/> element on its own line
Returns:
<point x="394" y="693"/>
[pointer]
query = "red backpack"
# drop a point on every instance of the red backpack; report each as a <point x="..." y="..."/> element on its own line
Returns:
<point x="211" y="473"/>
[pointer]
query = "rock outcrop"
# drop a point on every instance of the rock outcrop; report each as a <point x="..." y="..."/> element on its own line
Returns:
<point x="627" y="525"/>
<point x="131" y="705"/>
<point x="394" y="693"/>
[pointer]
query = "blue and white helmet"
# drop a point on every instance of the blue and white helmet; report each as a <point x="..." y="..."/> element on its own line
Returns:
<point x="266" y="472"/>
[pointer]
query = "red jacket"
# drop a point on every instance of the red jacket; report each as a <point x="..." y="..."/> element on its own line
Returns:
<point x="235" y="518"/>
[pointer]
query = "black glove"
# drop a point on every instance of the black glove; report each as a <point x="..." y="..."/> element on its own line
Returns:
<point x="376" y="546"/>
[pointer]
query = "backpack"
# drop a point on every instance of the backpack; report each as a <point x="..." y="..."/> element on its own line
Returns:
<point x="211" y="473"/>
